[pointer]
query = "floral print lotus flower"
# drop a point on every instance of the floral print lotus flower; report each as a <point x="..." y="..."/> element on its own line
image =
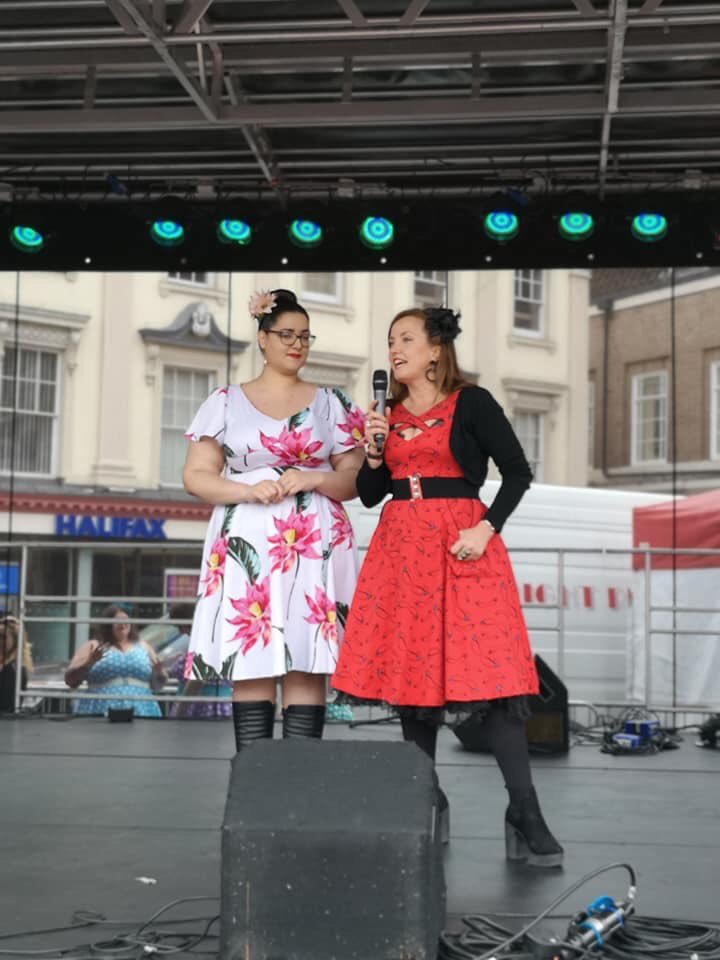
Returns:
<point x="293" y="447"/>
<point x="253" y="620"/>
<point x="215" y="566"/>
<point x="324" y="613"/>
<point x="260" y="303"/>
<point x="342" y="528"/>
<point x="354" y="426"/>
<point x="294" y="538"/>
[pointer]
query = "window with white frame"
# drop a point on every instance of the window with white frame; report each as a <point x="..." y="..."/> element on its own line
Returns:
<point x="199" y="279"/>
<point x="325" y="287"/>
<point x="530" y="429"/>
<point x="430" y="288"/>
<point x="649" y="417"/>
<point x="591" y="423"/>
<point x="715" y="410"/>
<point x="28" y="440"/>
<point x="183" y="391"/>
<point x="529" y="302"/>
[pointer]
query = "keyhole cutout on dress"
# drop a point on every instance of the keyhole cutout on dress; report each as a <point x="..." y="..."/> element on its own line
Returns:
<point x="406" y="431"/>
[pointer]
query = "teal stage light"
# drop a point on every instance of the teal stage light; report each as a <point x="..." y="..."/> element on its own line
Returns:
<point x="576" y="226"/>
<point x="377" y="233"/>
<point x="167" y="233"/>
<point x="649" y="227"/>
<point x="305" y="233"/>
<point x="234" y="231"/>
<point x="27" y="239"/>
<point x="501" y="225"/>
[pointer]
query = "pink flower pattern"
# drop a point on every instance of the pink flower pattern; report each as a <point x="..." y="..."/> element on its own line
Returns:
<point x="323" y="612"/>
<point x="188" y="665"/>
<point x="342" y="530"/>
<point x="294" y="538"/>
<point x="354" y="426"/>
<point x="293" y="447"/>
<point x="253" y="620"/>
<point x="215" y="566"/>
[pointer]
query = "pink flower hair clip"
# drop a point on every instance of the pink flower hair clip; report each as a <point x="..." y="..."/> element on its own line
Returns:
<point x="260" y="303"/>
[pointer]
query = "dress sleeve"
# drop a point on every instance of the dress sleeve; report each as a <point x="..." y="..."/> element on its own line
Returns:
<point x="497" y="437"/>
<point x="209" y="421"/>
<point x="348" y="422"/>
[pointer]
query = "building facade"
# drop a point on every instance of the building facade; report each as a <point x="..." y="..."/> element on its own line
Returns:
<point x="643" y="425"/>
<point x="102" y="372"/>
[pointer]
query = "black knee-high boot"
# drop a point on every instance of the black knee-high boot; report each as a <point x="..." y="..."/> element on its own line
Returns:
<point x="303" y="721"/>
<point x="425" y="736"/>
<point x="252" y="720"/>
<point x="527" y="836"/>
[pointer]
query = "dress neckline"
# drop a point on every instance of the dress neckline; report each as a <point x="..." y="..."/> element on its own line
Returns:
<point x="267" y="416"/>
<point x="423" y="415"/>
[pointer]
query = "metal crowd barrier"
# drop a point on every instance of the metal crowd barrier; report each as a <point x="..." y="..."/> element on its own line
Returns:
<point x="557" y="629"/>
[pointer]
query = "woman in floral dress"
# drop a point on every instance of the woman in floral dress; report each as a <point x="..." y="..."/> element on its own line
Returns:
<point x="275" y="457"/>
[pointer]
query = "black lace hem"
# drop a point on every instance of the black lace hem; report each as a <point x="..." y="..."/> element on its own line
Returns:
<point x="451" y="714"/>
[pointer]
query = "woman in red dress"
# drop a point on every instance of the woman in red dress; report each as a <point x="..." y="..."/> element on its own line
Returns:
<point x="435" y="624"/>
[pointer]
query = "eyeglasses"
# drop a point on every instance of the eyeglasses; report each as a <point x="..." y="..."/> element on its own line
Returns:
<point x="289" y="337"/>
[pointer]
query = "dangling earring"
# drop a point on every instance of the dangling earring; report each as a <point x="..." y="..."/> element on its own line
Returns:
<point x="431" y="372"/>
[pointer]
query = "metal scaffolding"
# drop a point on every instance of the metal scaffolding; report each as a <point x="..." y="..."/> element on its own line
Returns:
<point x="254" y="97"/>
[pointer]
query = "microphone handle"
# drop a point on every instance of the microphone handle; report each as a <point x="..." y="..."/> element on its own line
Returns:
<point x="380" y="402"/>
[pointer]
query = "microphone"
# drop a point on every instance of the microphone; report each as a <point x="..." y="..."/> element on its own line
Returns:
<point x="380" y="386"/>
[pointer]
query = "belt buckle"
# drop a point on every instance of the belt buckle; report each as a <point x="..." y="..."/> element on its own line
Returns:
<point x="415" y="486"/>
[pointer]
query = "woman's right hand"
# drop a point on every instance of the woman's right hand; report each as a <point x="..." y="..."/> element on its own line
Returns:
<point x="96" y="653"/>
<point x="376" y="423"/>
<point x="266" y="491"/>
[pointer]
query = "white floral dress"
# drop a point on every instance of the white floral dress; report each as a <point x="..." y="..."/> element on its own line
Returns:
<point x="276" y="580"/>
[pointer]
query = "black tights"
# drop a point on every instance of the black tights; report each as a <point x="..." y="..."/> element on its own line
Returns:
<point x="506" y="737"/>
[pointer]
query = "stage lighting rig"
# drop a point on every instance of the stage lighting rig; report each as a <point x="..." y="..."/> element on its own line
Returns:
<point x="377" y="233"/>
<point x="236" y="232"/>
<point x="649" y="227"/>
<point x="305" y="233"/>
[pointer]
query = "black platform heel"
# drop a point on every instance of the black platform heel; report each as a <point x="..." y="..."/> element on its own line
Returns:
<point x="527" y="836"/>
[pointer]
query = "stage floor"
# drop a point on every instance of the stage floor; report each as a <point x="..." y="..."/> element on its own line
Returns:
<point x="88" y="807"/>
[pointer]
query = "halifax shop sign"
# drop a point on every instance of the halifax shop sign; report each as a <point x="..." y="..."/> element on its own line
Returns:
<point x="110" y="528"/>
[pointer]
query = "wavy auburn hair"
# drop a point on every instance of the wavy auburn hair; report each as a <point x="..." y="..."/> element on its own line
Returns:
<point x="441" y="327"/>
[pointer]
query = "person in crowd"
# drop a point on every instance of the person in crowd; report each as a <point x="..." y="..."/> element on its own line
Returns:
<point x="174" y="656"/>
<point x="116" y="665"/>
<point x="436" y="627"/>
<point x="9" y="627"/>
<point x="275" y="457"/>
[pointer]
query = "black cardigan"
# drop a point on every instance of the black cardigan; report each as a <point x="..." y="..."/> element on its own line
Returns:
<point x="479" y="430"/>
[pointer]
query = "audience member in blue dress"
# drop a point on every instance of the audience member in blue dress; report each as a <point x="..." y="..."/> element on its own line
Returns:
<point x="116" y="664"/>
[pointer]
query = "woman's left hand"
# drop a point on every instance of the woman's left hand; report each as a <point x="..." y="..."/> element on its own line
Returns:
<point x="471" y="543"/>
<point x="298" y="481"/>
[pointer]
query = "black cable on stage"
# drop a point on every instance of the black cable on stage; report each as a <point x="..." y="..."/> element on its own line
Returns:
<point x="483" y="934"/>
<point x="143" y="941"/>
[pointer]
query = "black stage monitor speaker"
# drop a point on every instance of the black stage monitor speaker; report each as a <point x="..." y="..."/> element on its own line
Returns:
<point x="548" y="728"/>
<point x="330" y="852"/>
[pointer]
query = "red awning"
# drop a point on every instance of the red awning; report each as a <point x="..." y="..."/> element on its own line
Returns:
<point x="697" y="524"/>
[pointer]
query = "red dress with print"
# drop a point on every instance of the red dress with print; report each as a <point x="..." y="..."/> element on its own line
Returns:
<point x="424" y="628"/>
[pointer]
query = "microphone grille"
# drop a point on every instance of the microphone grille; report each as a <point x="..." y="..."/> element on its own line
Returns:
<point x="380" y="380"/>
